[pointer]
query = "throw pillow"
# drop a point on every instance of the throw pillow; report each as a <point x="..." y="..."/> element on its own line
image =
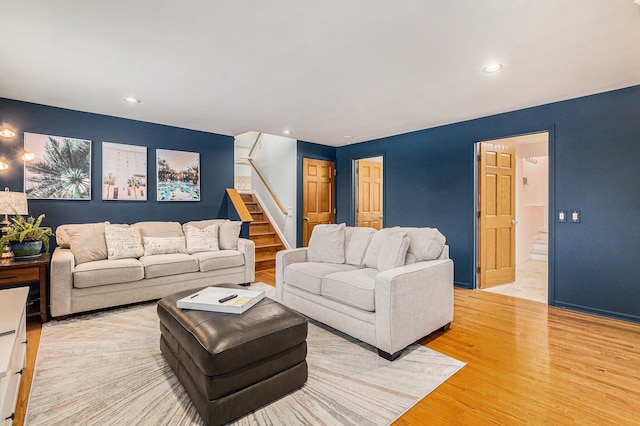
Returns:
<point x="158" y="245"/>
<point x="375" y="247"/>
<point x="355" y="245"/>
<point x="123" y="243"/>
<point x="62" y="236"/>
<point x="228" y="235"/>
<point x="87" y="242"/>
<point x="199" y="240"/>
<point x="327" y="244"/>
<point x="394" y="250"/>
<point x="424" y="244"/>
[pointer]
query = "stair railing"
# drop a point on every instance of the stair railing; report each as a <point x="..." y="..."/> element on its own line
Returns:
<point x="239" y="205"/>
<point x="264" y="181"/>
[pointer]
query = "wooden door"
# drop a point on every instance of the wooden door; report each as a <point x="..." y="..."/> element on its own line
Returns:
<point x="497" y="232"/>
<point x="369" y="210"/>
<point x="317" y="195"/>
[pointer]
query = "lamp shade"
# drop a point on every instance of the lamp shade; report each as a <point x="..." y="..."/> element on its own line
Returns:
<point x="13" y="202"/>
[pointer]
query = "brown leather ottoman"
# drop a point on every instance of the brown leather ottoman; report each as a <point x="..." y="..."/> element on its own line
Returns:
<point x="231" y="364"/>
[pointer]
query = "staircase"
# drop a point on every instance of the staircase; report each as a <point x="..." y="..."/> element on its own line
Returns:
<point x="262" y="233"/>
<point x="540" y="248"/>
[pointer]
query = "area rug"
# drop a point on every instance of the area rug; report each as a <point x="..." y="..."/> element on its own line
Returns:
<point x="106" y="369"/>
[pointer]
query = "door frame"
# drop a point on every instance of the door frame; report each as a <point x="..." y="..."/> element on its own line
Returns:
<point x="353" y="202"/>
<point x="551" y="213"/>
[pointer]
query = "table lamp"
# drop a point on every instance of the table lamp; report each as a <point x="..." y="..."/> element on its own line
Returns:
<point x="11" y="203"/>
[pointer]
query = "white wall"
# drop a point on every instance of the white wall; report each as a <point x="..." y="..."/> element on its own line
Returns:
<point x="275" y="157"/>
<point x="532" y="202"/>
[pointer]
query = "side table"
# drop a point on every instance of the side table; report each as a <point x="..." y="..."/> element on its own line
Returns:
<point x="16" y="273"/>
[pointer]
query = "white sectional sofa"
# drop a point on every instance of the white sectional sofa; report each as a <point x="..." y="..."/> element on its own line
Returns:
<point x="387" y="288"/>
<point x="99" y="265"/>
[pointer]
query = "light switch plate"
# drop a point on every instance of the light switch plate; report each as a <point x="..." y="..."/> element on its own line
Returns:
<point x="575" y="216"/>
<point x="562" y="216"/>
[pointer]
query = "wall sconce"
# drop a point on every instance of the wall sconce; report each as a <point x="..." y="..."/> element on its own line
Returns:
<point x="24" y="155"/>
<point x="7" y="133"/>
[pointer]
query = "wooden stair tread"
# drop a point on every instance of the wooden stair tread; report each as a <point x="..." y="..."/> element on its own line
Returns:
<point x="268" y="245"/>
<point x="259" y="234"/>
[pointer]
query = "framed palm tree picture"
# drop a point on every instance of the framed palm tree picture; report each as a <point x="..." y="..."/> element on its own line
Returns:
<point x="124" y="172"/>
<point x="60" y="170"/>
<point x="178" y="175"/>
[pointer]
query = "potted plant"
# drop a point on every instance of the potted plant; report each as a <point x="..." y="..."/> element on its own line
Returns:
<point x="26" y="237"/>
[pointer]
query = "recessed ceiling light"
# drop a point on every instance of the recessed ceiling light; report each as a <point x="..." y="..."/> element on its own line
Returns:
<point x="286" y="132"/>
<point x="132" y="100"/>
<point x="493" y="67"/>
<point x="348" y="139"/>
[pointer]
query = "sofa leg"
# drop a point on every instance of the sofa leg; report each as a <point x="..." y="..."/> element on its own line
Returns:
<point x="445" y="327"/>
<point x="388" y="356"/>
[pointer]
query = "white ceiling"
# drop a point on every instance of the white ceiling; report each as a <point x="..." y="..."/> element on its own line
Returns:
<point x="323" y="69"/>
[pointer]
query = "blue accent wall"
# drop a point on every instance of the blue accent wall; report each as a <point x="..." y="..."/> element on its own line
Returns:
<point x="594" y="161"/>
<point x="216" y="161"/>
<point x="317" y="152"/>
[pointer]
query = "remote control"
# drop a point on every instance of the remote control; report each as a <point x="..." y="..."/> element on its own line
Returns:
<point x="226" y="299"/>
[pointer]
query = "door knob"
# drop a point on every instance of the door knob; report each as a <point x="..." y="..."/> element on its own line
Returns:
<point x="514" y="221"/>
<point x="305" y="218"/>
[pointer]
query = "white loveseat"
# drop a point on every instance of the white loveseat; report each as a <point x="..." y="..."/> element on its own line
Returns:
<point x="387" y="288"/>
<point x="100" y="265"/>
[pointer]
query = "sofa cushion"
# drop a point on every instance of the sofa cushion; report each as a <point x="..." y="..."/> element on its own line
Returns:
<point x="219" y="259"/>
<point x="355" y="288"/>
<point x="228" y="231"/>
<point x="62" y="237"/>
<point x="308" y="275"/>
<point x="87" y="243"/>
<point x="228" y="235"/>
<point x="424" y="244"/>
<point x="168" y="245"/>
<point x="103" y="272"/>
<point x="375" y="247"/>
<point x="162" y="265"/>
<point x="327" y="244"/>
<point x="356" y="242"/>
<point x="123" y="242"/>
<point x="199" y="240"/>
<point x="159" y="229"/>
<point x="394" y="250"/>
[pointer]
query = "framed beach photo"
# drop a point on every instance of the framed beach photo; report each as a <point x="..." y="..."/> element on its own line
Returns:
<point x="124" y="172"/>
<point x="178" y="174"/>
<point x="60" y="170"/>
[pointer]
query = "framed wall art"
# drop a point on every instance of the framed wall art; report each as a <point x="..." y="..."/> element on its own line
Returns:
<point x="60" y="170"/>
<point x="124" y="172"/>
<point x="178" y="174"/>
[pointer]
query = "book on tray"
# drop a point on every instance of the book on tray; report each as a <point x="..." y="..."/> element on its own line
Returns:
<point x="221" y="299"/>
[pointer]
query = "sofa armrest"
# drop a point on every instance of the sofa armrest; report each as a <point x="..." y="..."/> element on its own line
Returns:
<point x="248" y="249"/>
<point x="411" y="302"/>
<point x="285" y="258"/>
<point x="61" y="281"/>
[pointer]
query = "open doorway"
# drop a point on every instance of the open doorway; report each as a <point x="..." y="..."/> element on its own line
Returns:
<point x="512" y="216"/>
<point x="368" y="192"/>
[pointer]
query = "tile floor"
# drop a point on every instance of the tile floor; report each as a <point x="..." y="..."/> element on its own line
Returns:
<point x="530" y="283"/>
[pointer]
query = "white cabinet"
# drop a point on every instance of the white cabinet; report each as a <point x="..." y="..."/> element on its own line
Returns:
<point x="13" y="348"/>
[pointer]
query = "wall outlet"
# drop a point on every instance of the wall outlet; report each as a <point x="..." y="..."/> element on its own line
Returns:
<point x="575" y="216"/>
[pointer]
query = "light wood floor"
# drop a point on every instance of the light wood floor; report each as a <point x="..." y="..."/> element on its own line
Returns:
<point x="527" y="363"/>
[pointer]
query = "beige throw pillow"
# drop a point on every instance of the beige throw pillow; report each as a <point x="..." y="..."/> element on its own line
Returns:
<point x="87" y="243"/>
<point x="62" y="236"/>
<point x="375" y="247"/>
<point x="394" y="250"/>
<point x="158" y="245"/>
<point x="355" y="245"/>
<point x="199" y="240"/>
<point x="424" y="244"/>
<point x="123" y="243"/>
<point x="327" y="244"/>
<point x="228" y="235"/>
